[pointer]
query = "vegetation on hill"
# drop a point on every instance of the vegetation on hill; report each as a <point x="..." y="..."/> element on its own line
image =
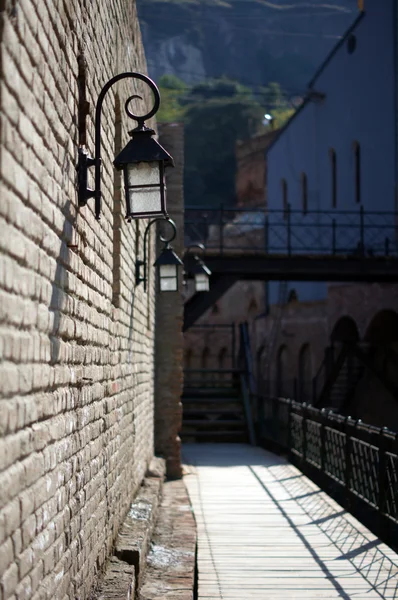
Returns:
<point x="216" y="114"/>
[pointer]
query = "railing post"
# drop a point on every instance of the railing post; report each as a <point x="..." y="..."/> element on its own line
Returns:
<point x="322" y="452"/>
<point x="304" y="430"/>
<point x="289" y="232"/>
<point x="362" y="229"/>
<point x="382" y="481"/>
<point x="348" y="462"/>
<point x="221" y="228"/>
<point x="334" y="237"/>
<point x="289" y="426"/>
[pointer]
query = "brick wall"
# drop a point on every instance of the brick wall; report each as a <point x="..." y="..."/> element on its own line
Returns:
<point x="76" y="337"/>
<point x="169" y="318"/>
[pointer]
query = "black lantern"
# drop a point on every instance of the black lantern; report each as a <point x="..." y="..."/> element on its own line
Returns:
<point x="198" y="270"/>
<point x="201" y="275"/>
<point x="143" y="161"/>
<point x="167" y="262"/>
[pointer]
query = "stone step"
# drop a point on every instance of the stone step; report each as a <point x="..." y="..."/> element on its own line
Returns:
<point x="214" y="423"/>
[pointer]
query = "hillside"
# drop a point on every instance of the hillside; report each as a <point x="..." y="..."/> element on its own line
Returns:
<point x="253" y="41"/>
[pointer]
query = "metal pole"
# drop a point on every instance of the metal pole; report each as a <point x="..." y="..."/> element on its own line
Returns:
<point x="382" y="480"/>
<point x="304" y="431"/>
<point x="289" y="237"/>
<point x="221" y="228"/>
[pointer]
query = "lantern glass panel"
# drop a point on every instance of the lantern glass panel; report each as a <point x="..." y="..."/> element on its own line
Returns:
<point x="144" y="199"/>
<point x="168" y="278"/>
<point x="202" y="282"/>
<point x="143" y="173"/>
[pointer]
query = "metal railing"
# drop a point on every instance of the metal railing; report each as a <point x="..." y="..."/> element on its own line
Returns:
<point x="352" y="461"/>
<point x="292" y="232"/>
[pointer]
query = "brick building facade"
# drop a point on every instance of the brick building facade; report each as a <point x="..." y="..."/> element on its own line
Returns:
<point x="291" y="337"/>
<point x="76" y="334"/>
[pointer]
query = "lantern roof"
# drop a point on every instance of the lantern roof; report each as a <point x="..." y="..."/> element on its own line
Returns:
<point x="199" y="267"/>
<point x="167" y="257"/>
<point x="142" y="148"/>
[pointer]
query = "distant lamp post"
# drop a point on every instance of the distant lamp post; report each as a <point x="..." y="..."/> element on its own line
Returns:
<point x="167" y="263"/>
<point x="143" y="161"/>
<point x="269" y="120"/>
<point x="200" y="272"/>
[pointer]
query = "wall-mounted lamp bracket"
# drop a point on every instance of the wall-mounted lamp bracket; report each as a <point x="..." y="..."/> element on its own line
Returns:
<point x="143" y="160"/>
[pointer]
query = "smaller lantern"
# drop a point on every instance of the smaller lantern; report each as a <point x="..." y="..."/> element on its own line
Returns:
<point x="167" y="264"/>
<point x="201" y="275"/>
<point x="143" y="162"/>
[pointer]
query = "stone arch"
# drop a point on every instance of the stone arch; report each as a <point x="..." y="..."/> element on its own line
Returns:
<point x="188" y="358"/>
<point x="383" y="328"/>
<point x="282" y="371"/>
<point x="260" y="369"/>
<point x="222" y="358"/>
<point x="345" y="331"/>
<point x="205" y="358"/>
<point x="253" y="307"/>
<point x="304" y="373"/>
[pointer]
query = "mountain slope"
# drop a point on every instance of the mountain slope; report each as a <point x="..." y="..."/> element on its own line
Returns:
<point x="254" y="41"/>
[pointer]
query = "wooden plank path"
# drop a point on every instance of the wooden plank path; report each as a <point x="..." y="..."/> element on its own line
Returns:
<point x="266" y="531"/>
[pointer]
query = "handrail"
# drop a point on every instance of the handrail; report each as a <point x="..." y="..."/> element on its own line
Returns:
<point x="354" y="461"/>
<point x="336" y="233"/>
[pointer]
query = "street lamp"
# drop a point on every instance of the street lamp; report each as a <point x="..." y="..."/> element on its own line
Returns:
<point x="201" y="273"/>
<point x="143" y="161"/>
<point x="167" y="262"/>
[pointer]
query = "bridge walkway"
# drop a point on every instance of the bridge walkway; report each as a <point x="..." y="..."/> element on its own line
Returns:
<point x="267" y="532"/>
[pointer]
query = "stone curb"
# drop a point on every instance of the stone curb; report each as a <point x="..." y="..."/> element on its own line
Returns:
<point x="125" y="569"/>
<point x="170" y="565"/>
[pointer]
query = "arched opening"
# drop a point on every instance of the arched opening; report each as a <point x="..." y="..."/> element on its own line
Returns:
<point x="333" y="167"/>
<point x="305" y="374"/>
<point x="260" y="371"/>
<point x="205" y="362"/>
<point x="304" y="192"/>
<point x="188" y="364"/>
<point x="253" y="307"/>
<point x="282" y="373"/>
<point x="223" y="363"/>
<point x="222" y="358"/>
<point x="383" y="328"/>
<point x="188" y="359"/>
<point x="215" y="310"/>
<point x="345" y="331"/>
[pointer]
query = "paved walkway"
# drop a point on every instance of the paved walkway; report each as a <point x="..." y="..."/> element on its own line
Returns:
<point x="267" y="532"/>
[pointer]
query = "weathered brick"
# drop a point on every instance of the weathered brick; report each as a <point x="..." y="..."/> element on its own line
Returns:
<point x="76" y="375"/>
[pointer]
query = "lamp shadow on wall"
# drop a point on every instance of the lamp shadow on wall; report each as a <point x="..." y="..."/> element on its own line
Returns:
<point x="61" y="281"/>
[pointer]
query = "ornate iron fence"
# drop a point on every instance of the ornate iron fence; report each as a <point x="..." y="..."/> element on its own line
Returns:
<point x="356" y="463"/>
<point x="292" y="232"/>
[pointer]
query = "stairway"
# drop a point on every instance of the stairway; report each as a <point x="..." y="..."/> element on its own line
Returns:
<point x="214" y="412"/>
<point x="345" y="384"/>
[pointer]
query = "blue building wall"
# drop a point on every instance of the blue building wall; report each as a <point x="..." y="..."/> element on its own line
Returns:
<point x="359" y="106"/>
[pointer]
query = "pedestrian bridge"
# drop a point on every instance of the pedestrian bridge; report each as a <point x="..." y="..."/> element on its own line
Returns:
<point x="266" y="531"/>
<point x="290" y="245"/>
